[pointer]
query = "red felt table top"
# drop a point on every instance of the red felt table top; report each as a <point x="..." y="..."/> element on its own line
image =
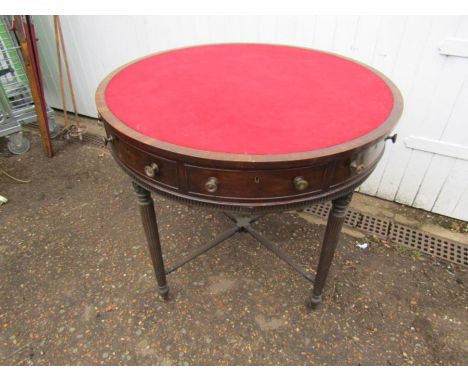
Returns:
<point x="249" y="98"/>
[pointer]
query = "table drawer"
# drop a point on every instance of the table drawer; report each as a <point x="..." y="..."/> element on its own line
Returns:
<point x="150" y="166"/>
<point x="254" y="184"/>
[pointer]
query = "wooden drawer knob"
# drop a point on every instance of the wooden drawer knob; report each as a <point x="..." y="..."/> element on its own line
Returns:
<point x="300" y="184"/>
<point x="151" y="170"/>
<point x="212" y="184"/>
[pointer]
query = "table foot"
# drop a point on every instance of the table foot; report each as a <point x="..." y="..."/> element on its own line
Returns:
<point x="314" y="302"/>
<point x="164" y="292"/>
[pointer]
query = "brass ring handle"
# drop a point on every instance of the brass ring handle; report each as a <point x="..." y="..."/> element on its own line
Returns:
<point x="212" y="184"/>
<point x="151" y="170"/>
<point x="355" y="167"/>
<point x="300" y="184"/>
<point x="392" y="138"/>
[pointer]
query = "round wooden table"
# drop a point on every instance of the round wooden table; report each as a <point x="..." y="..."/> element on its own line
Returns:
<point x="249" y="128"/>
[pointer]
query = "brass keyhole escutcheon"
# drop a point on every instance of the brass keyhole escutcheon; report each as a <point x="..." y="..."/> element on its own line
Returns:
<point x="151" y="170"/>
<point x="257" y="179"/>
<point x="300" y="184"/>
<point x="211" y="184"/>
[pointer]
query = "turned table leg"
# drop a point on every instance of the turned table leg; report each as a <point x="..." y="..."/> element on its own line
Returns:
<point x="148" y="217"/>
<point x="330" y="240"/>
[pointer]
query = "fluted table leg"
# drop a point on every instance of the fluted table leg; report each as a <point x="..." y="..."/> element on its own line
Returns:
<point x="330" y="241"/>
<point x="148" y="217"/>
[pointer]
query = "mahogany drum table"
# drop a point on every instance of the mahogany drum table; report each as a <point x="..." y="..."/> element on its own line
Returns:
<point x="251" y="129"/>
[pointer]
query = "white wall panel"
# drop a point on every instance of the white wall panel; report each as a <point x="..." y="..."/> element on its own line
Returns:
<point x="407" y="64"/>
<point x="434" y="86"/>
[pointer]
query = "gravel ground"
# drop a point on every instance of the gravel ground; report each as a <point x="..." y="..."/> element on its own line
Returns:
<point x="76" y="283"/>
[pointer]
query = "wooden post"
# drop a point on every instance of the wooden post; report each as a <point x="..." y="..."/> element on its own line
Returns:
<point x="27" y="38"/>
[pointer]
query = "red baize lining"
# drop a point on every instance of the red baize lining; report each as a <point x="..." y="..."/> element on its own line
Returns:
<point x="249" y="98"/>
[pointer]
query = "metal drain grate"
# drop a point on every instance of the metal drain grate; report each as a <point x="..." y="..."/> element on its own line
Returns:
<point x="377" y="226"/>
<point x="370" y="224"/>
<point x="93" y="140"/>
<point x="410" y="237"/>
<point x="430" y="244"/>
<point x="321" y="210"/>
